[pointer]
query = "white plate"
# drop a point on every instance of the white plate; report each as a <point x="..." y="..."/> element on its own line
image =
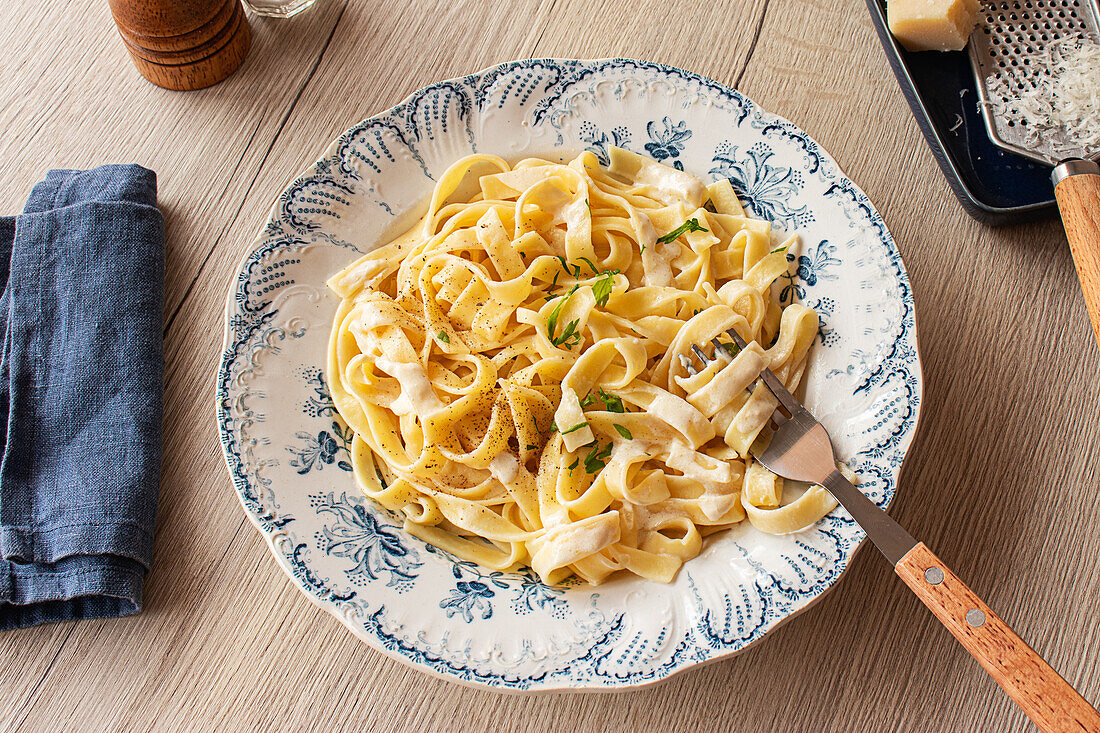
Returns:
<point x="287" y="450"/>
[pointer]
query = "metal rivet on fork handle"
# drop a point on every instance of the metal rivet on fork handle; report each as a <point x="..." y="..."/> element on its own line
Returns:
<point x="933" y="575"/>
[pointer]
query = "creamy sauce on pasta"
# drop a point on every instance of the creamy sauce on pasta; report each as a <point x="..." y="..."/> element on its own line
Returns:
<point x="511" y="367"/>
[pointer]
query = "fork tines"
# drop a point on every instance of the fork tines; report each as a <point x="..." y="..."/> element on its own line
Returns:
<point x="786" y="399"/>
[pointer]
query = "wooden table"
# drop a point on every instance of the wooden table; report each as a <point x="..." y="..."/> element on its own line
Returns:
<point x="1002" y="479"/>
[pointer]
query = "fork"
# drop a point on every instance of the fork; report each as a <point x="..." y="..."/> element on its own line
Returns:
<point x="801" y="450"/>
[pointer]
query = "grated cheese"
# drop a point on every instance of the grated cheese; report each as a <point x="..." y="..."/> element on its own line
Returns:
<point x="1063" y="97"/>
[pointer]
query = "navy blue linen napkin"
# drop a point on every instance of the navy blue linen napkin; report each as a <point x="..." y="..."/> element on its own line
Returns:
<point x="81" y="385"/>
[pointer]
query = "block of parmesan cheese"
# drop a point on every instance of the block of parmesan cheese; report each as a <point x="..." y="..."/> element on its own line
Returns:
<point x="932" y="25"/>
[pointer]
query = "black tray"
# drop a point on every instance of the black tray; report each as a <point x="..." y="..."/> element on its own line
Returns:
<point x="993" y="186"/>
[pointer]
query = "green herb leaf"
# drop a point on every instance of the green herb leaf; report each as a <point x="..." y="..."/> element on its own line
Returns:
<point x="444" y="337"/>
<point x="613" y="403"/>
<point x="623" y="431"/>
<point x="575" y="272"/>
<point x="588" y="400"/>
<point x="595" y="270"/>
<point x="603" y="286"/>
<point x="573" y="465"/>
<point x="691" y="225"/>
<point x="778" y="249"/>
<point x="602" y="290"/>
<point x="552" y="321"/>
<point x="589" y="208"/>
<point x="597" y="458"/>
<point x="575" y="428"/>
<point x="553" y="284"/>
<point x="709" y="206"/>
<point x="532" y="447"/>
<point x="569" y="336"/>
<point x="553" y="428"/>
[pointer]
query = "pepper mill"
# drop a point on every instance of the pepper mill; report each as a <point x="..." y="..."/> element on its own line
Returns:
<point x="183" y="44"/>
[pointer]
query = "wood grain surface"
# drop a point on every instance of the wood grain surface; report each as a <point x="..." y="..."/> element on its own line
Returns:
<point x="1002" y="479"/>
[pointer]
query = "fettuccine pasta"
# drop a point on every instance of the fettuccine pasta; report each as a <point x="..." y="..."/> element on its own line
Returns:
<point x="511" y="367"/>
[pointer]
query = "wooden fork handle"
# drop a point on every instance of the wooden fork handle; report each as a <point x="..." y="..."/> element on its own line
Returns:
<point x="1051" y="703"/>
<point x="1077" y="188"/>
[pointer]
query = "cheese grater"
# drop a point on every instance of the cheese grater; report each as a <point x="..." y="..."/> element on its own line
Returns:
<point x="1009" y="34"/>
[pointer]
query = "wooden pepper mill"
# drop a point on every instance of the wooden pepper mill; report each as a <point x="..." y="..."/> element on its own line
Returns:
<point x="183" y="44"/>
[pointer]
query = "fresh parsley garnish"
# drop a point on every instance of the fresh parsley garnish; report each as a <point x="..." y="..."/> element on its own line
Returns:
<point x="778" y="249"/>
<point x="589" y="208"/>
<point x="575" y="428"/>
<point x="552" y="321"/>
<point x="553" y="284"/>
<point x="532" y="447"/>
<point x="595" y="270"/>
<point x="623" y="431"/>
<point x="573" y="465"/>
<point x="444" y="337"/>
<point x="691" y="225"/>
<point x="613" y="403"/>
<point x="603" y="285"/>
<point x="575" y="272"/>
<point x="601" y="289"/>
<point x="569" y="337"/>
<point x="597" y="458"/>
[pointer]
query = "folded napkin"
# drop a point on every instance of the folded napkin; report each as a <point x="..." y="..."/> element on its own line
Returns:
<point x="81" y="383"/>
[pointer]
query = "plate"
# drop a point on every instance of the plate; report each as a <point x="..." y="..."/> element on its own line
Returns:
<point x="287" y="450"/>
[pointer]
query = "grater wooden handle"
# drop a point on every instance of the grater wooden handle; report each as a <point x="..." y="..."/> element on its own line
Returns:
<point x="1051" y="703"/>
<point x="1077" y="188"/>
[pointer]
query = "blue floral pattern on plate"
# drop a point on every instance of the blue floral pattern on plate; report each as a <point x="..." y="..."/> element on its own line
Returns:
<point x="325" y="448"/>
<point x="289" y="454"/>
<point x="667" y="140"/>
<point x="764" y="188"/>
<point x="378" y="551"/>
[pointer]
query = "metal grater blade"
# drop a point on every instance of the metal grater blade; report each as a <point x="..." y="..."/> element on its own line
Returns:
<point x="1010" y="34"/>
